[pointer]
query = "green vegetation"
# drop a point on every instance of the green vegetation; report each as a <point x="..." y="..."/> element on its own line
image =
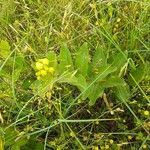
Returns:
<point x="74" y="75"/>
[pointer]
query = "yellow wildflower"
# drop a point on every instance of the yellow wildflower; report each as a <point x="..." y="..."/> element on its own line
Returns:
<point x="45" y="61"/>
<point x="144" y="146"/>
<point x="106" y="146"/>
<point x="118" y="20"/>
<point x="39" y="66"/>
<point x="111" y="141"/>
<point x="146" y="113"/>
<point x="51" y="70"/>
<point x="46" y="68"/>
<point x="38" y="77"/>
<point x="43" y="72"/>
<point x="129" y="137"/>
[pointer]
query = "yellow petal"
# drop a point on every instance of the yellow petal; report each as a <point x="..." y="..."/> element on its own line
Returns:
<point x="38" y="73"/>
<point x="44" y="61"/>
<point x="39" y="66"/>
<point x="43" y="73"/>
<point x="51" y="70"/>
<point x="46" y="68"/>
<point x="38" y="78"/>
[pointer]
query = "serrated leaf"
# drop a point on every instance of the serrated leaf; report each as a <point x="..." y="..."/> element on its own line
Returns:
<point x="118" y="60"/>
<point x="112" y="81"/>
<point x="40" y="87"/>
<point x="99" y="58"/>
<point x="4" y="49"/>
<point x="103" y="72"/>
<point x="138" y="74"/>
<point x="81" y="82"/>
<point x="93" y="93"/>
<point x="122" y="92"/>
<point x="67" y="77"/>
<point x="82" y="59"/>
<point x="65" y="60"/>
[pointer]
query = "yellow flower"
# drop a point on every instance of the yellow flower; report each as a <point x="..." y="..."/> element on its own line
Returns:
<point x="146" y="113"/>
<point x="106" y="146"/>
<point x="39" y="66"/>
<point x="144" y="146"/>
<point x="72" y="134"/>
<point x="43" y="73"/>
<point x="130" y="137"/>
<point x="46" y="68"/>
<point x="38" y="73"/>
<point x="118" y="20"/>
<point x="38" y="77"/>
<point x="111" y="141"/>
<point x="51" y="70"/>
<point x="44" y="61"/>
<point x="95" y="148"/>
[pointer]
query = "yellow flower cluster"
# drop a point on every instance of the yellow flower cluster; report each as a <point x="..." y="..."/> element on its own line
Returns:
<point x="43" y="68"/>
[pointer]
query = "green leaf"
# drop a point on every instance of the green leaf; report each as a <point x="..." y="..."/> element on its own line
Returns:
<point x="15" y="147"/>
<point x="147" y="69"/>
<point x="32" y="144"/>
<point x="18" y="66"/>
<point x="19" y="143"/>
<point x="82" y="59"/>
<point x="1" y="144"/>
<point x="81" y="82"/>
<point x="112" y="81"/>
<point x="26" y="84"/>
<point x="4" y="49"/>
<point x="104" y="71"/>
<point x="122" y="92"/>
<point x="67" y="77"/>
<point x="118" y="60"/>
<point x="138" y="74"/>
<point x="65" y="59"/>
<point x="10" y="135"/>
<point x="99" y="58"/>
<point x="93" y="93"/>
<point x="51" y="56"/>
<point x="40" y="87"/>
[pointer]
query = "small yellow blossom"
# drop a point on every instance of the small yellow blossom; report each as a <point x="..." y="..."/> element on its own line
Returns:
<point x="102" y="147"/>
<point x="96" y="23"/>
<point x="118" y="20"/>
<point x="72" y="134"/>
<point x="37" y="73"/>
<point x="43" y="73"/>
<point x="111" y="141"/>
<point x="46" y="68"/>
<point x="39" y="66"/>
<point x="51" y="70"/>
<point x="144" y="146"/>
<point x="106" y="146"/>
<point x="130" y="137"/>
<point x="45" y="61"/>
<point x="42" y="65"/>
<point x="146" y="113"/>
<point x="38" y="77"/>
<point x="95" y="148"/>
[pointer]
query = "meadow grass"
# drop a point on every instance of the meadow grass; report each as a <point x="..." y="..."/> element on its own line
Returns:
<point x="57" y="117"/>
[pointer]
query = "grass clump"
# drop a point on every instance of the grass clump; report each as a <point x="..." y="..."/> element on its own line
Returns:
<point x="74" y="75"/>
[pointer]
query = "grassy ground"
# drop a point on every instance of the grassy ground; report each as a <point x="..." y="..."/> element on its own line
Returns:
<point x="96" y="93"/>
